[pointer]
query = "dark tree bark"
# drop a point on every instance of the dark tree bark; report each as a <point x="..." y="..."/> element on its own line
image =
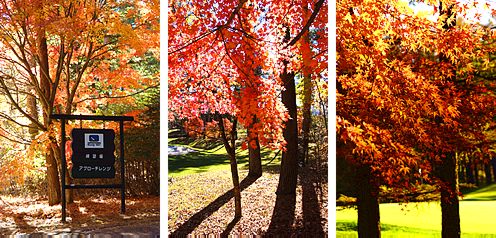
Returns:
<point x="52" y="172"/>
<point x="475" y="165"/>
<point x="255" y="159"/>
<point x="470" y="172"/>
<point x="448" y="168"/>
<point x="487" y="171"/>
<point x="493" y="164"/>
<point x="289" y="162"/>
<point x="231" y="151"/>
<point x="461" y="172"/>
<point x="449" y="197"/>
<point x="367" y="204"/>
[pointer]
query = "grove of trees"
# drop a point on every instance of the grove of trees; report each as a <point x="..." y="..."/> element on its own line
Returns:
<point x="72" y="57"/>
<point x="410" y="99"/>
<point x="239" y="61"/>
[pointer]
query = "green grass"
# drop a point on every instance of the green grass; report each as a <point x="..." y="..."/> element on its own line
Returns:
<point x="487" y="193"/>
<point x="210" y="156"/>
<point x="424" y="219"/>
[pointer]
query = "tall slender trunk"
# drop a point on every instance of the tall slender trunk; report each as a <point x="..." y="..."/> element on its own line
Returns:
<point x="231" y="151"/>
<point x="470" y="171"/>
<point x="307" y="95"/>
<point x="449" y="197"/>
<point x="237" y="189"/>
<point x="448" y="168"/>
<point x="289" y="162"/>
<point x="367" y="204"/>
<point x="52" y="172"/>
<point x="487" y="171"/>
<point x="493" y="165"/>
<point x="475" y="165"/>
<point x="461" y="172"/>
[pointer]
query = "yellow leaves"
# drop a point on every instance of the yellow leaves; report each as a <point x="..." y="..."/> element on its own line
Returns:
<point x="366" y="17"/>
<point x="348" y="18"/>
<point x="378" y="33"/>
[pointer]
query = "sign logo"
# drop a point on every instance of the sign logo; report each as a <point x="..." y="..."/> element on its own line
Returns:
<point x="93" y="141"/>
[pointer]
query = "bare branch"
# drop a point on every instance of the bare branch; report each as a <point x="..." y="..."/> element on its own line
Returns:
<point x="200" y="37"/>
<point x="316" y="10"/>
<point x="122" y="96"/>
<point x="16" y="105"/>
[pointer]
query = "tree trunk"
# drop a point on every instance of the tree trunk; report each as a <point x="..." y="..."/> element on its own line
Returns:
<point x="53" y="182"/>
<point x="449" y="197"/>
<point x="231" y="151"/>
<point x="461" y="172"/>
<point x="68" y="180"/>
<point x="448" y="168"/>
<point x="487" y="171"/>
<point x="289" y="162"/>
<point x="493" y="163"/>
<point x="475" y="165"/>
<point x="236" y="187"/>
<point x="53" y="190"/>
<point x="470" y="171"/>
<point x="32" y="111"/>
<point x="367" y="204"/>
<point x="255" y="163"/>
<point x="307" y="95"/>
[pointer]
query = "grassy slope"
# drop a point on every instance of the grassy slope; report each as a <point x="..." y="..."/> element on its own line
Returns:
<point x="424" y="219"/>
<point x="211" y="158"/>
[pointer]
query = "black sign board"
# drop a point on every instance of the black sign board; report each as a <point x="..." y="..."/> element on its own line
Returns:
<point x="96" y="143"/>
<point x="93" y="153"/>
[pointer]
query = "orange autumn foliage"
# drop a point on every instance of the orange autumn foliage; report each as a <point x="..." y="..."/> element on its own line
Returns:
<point x="226" y="57"/>
<point x="399" y="107"/>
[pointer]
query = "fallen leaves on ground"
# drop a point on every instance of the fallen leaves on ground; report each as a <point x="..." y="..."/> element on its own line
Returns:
<point x="30" y="215"/>
<point x="203" y="204"/>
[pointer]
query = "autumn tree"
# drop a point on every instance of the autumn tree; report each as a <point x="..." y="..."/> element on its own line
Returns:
<point x="213" y="69"/>
<point x="317" y="19"/>
<point x="398" y="106"/>
<point x="234" y="57"/>
<point x="54" y="53"/>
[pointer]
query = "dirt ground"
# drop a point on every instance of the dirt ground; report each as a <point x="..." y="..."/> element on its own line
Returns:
<point x="201" y="204"/>
<point x="96" y="216"/>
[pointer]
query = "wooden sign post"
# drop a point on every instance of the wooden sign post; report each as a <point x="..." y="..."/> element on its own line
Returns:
<point x="93" y="155"/>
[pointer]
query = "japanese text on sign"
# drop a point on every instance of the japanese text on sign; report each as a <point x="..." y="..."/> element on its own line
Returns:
<point x="94" y="168"/>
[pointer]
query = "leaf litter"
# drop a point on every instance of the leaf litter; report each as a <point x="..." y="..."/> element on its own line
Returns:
<point x="198" y="204"/>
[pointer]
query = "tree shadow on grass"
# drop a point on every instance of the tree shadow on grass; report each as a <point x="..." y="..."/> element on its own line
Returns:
<point x="205" y="144"/>
<point x="179" y="163"/>
<point x="194" y="221"/>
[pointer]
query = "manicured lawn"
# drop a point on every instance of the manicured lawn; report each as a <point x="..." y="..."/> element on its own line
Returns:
<point x="210" y="157"/>
<point x="477" y="217"/>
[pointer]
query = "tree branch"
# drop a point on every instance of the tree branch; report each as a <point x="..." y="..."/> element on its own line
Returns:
<point x="228" y="22"/>
<point x="316" y="10"/>
<point x="121" y="96"/>
<point x="16" y="105"/>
